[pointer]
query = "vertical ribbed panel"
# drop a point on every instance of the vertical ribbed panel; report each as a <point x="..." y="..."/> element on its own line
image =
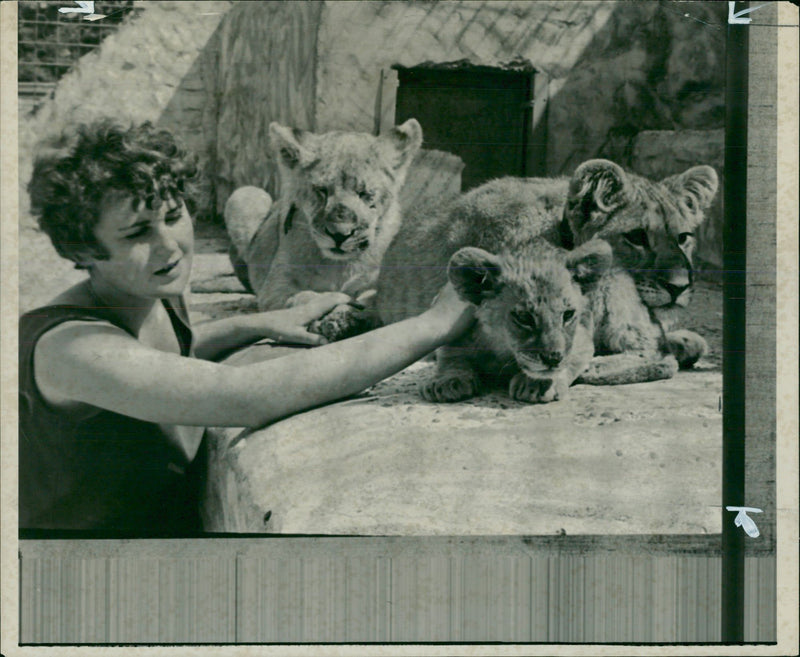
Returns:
<point x="127" y="600"/>
<point x="269" y="596"/>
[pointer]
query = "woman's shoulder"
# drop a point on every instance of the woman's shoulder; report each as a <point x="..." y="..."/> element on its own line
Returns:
<point x="77" y="297"/>
<point x="75" y="305"/>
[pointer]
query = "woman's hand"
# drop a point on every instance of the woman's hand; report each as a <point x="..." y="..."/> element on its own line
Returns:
<point x="454" y="314"/>
<point x="291" y="324"/>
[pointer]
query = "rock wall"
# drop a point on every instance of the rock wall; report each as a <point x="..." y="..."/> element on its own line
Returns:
<point x="388" y="463"/>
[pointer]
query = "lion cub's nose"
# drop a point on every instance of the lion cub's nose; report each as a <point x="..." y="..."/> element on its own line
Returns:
<point x="675" y="290"/>
<point x="552" y="357"/>
<point x="339" y="233"/>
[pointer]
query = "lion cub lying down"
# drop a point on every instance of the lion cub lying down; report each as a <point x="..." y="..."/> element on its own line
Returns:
<point x="535" y="328"/>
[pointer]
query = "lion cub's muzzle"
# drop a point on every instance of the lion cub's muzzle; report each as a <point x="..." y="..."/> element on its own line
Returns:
<point x="539" y="360"/>
<point x="340" y="234"/>
<point x="670" y="284"/>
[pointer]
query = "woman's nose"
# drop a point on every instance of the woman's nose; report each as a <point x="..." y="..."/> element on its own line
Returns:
<point x="166" y="238"/>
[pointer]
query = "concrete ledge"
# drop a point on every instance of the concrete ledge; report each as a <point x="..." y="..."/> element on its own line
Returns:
<point x="644" y="458"/>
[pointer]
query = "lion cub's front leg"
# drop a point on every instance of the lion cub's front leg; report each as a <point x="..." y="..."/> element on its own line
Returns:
<point x="454" y="380"/>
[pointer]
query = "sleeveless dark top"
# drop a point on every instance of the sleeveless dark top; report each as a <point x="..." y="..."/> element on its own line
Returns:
<point x="98" y="470"/>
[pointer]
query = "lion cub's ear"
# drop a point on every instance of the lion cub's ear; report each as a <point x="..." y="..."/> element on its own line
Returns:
<point x="600" y="183"/>
<point x="475" y="274"/>
<point x="403" y="142"/>
<point x="590" y="260"/>
<point x="697" y="186"/>
<point x="291" y="146"/>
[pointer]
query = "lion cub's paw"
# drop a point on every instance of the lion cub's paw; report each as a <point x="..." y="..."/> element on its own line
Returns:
<point x="450" y="387"/>
<point x="343" y="321"/>
<point x="687" y="347"/>
<point x="539" y="389"/>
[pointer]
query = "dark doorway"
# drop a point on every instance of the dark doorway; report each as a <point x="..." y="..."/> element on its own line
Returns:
<point x="484" y="115"/>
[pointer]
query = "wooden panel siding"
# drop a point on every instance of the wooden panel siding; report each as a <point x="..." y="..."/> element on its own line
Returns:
<point x="267" y="67"/>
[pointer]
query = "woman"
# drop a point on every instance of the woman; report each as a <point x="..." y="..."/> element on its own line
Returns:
<point x="115" y="386"/>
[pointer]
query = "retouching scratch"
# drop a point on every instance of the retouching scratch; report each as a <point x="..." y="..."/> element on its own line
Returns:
<point x="694" y="18"/>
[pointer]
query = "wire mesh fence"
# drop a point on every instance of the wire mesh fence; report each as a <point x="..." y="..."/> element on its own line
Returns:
<point x="50" y="41"/>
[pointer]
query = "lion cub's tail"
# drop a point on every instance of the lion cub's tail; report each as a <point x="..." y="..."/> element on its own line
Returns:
<point x="245" y="211"/>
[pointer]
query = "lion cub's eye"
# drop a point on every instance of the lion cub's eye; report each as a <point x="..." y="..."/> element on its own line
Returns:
<point x="637" y="237"/>
<point x="684" y="237"/>
<point x="321" y="193"/>
<point x="523" y="319"/>
<point x="366" y="195"/>
<point x="568" y="315"/>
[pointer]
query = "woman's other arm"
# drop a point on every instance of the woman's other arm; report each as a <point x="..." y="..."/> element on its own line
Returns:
<point x="217" y="337"/>
<point x="103" y="366"/>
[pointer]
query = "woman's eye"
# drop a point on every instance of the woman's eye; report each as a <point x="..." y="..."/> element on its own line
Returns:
<point x="141" y="232"/>
<point x="637" y="237"/>
<point x="684" y="237"/>
<point x="568" y="315"/>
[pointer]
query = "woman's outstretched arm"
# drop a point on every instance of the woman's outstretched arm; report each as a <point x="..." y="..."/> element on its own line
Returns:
<point x="220" y="336"/>
<point x="102" y="366"/>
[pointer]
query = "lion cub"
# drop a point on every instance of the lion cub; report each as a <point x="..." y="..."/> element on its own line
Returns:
<point x="534" y="328"/>
<point x="337" y="213"/>
<point x="546" y="318"/>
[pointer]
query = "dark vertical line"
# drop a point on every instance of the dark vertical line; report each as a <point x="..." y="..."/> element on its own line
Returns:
<point x="378" y="107"/>
<point x="733" y="336"/>
<point x="236" y="599"/>
<point x="527" y="123"/>
<point x="20" y="629"/>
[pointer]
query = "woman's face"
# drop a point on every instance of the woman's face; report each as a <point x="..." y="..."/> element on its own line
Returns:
<point x="150" y="250"/>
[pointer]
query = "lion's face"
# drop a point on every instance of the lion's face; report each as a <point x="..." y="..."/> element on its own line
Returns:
<point x="530" y="302"/>
<point x="344" y="184"/>
<point x="649" y="225"/>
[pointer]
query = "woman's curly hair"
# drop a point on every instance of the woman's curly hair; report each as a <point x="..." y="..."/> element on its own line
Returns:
<point x="73" y="172"/>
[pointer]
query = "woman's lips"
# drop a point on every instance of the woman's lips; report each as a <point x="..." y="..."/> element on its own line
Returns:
<point x="165" y="271"/>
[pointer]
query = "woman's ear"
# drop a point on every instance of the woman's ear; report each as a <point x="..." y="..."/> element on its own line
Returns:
<point x="475" y="274"/>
